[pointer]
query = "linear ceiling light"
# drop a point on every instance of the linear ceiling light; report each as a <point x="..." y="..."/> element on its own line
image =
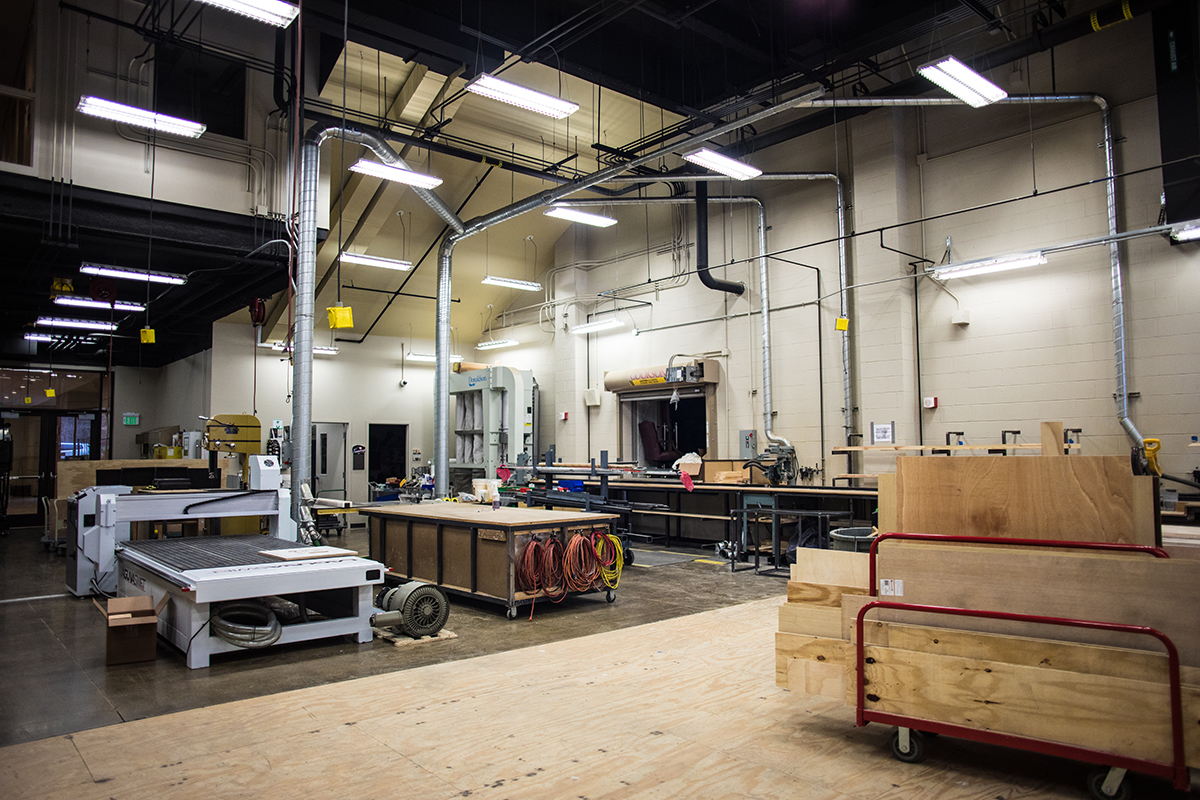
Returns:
<point x="389" y="172"/>
<point x="59" y="322"/>
<point x="1186" y="231"/>
<point x="512" y="283"/>
<point x="376" y="261"/>
<point x="431" y="358"/>
<point x="492" y="344"/>
<point x="83" y="302"/>
<point x="139" y="117"/>
<point x="598" y="325"/>
<point x="723" y="164"/>
<point x="575" y="215"/>
<point x="273" y="12"/>
<point x="988" y="265"/>
<point x="280" y="347"/>
<point x="51" y="337"/>
<point x="132" y="274"/>
<point x="522" y="97"/>
<point x="963" y="82"/>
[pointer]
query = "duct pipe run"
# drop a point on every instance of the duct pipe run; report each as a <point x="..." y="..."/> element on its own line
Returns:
<point x="706" y="277"/>
<point x="306" y="278"/>
<point x="441" y="371"/>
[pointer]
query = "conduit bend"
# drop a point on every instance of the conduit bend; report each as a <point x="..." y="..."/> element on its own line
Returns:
<point x="306" y="278"/>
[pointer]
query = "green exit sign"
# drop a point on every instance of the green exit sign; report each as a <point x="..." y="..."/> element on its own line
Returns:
<point x="130" y="419"/>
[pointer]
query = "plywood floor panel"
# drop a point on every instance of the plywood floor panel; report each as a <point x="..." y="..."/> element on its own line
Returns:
<point x="682" y="708"/>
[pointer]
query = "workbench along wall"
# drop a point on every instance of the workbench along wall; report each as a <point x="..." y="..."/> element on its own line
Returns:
<point x="1039" y="344"/>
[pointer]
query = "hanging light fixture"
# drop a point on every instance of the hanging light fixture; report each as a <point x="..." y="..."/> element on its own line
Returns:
<point x="512" y="283"/>
<point x="273" y="12"/>
<point x="725" y="165"/>
<point x="963" y="82"/>
<point x="1186" y="231"/>
<point x="139" y="117"/>
<point x="132" y="274"/>
<point x="390" y="172"/>
<point x="494" y="344"/>
<point x="375" y="261"/>
<point x="84" y="302"/>
<point x="88" y="324"/>
<point x="575" y="215"/>
<point x="489" y="86"/>
<point x="988" y="265"/>
<point x="598" y="325"/>
<point x="280" y="347"/>
<point x="431" y="358"/>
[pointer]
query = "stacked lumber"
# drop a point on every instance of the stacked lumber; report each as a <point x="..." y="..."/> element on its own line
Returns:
<point x="1096" y="689"/>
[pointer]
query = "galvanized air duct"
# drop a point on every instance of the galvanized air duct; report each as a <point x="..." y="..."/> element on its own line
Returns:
<point x="441" y="384"/>
<point x="763" y="285"/>
<point x="306" y="278"/>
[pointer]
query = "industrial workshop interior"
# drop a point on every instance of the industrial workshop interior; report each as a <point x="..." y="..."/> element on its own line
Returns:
<point x="600" y="399"/>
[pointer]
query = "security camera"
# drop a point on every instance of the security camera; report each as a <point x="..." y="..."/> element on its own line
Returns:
<point x="403" y="384"/>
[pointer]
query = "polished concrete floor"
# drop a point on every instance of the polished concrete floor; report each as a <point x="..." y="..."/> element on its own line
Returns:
<point x="56" y="682"/>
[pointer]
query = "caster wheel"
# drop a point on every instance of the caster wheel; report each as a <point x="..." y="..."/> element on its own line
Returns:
<point x="628" y="555"/>
<point x="610" y="596"/>
<point x="511" y="613"/>
<point x="1095" y="782"/>
<point x="916" y="748"/>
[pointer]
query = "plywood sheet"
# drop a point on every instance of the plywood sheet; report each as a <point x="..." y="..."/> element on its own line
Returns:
<point x="1134" y="589"/>
<point x="819" y="594"/>
<point x="1080" y="498"/>
<point x="76" y="475"/>
<point x="810" y="620"/>
<point x="832" y="567"/>
<point x="485" y="515"/>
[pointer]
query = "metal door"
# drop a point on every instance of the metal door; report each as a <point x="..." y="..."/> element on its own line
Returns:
<point x="329" y="459"/>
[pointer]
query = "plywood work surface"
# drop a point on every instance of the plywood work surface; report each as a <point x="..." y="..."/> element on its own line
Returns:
<point x="485" y="516"/>
<point x="681" y="708"/>
<point x="76" y="475"/>
<point x="1081" y="498"/>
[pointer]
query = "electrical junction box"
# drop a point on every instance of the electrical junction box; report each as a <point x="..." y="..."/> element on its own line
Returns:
<point x="265" y="473"/>
<point x="748" y="444"/>
<point x="591" y="398"/>
<point x="929" y="402"/>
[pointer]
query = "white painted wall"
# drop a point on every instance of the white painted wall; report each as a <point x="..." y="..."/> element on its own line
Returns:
<point x="177" y="394"/>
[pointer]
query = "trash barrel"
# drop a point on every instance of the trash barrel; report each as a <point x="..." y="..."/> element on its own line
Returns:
<point x="853" y="539"/>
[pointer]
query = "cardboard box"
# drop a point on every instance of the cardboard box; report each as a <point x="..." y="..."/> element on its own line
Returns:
<point x="692" y="469"/>
<point x="710" y="469"/>
<point x="132" y="628"/>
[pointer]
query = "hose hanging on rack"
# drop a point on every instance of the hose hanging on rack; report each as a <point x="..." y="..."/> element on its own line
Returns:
<point x="580" y="569"/>
<point x="610" y="556"/>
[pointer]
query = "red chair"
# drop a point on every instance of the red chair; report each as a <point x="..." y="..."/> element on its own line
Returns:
<point x="653" y="448"/>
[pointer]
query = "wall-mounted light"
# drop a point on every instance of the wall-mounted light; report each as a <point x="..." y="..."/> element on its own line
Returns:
<point x="575" y="215"/>
<point x="493" y="344"/>
<point x="87" y="324"/>
<point x="497" y="89"/>
<point x="431" y="358"/>
<point x="598" y="325"/>
<point x="390" y="172"/>
<point x="375" y="261"/>
<point x="989" y="265"/>
<point x="723" y="164"/>
<point x="963" y="82"/>
<point x="139" y="117"/>
<point x="83" y="302"/>
<point x="512" y="283"/>
<point x="132" y="274"/>
<point x="273" y="12"/>
<point x="1186" y="231"/>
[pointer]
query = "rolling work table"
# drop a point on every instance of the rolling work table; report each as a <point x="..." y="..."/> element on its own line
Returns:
<point x="471" y="550"/>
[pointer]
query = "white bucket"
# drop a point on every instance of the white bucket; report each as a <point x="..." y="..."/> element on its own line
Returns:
<point x="486" y="489"/>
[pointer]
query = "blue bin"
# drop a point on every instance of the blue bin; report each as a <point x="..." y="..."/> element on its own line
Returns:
<point x="571" y="486"/>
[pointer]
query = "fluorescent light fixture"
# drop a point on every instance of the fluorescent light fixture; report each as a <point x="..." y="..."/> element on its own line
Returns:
<point x="598" y="325"/>
<point x="575" y="215"/>
<point x="389" y="172"/>
<point x="280" y="347"/>
<point x="988" y="265"/>
<point x="512" y="283"/>
<point x="1186" y="231"/>
<point x="376" y="261"/>
<point x="723" y="164"/>
<point x="132" y="274"/>
<point x="963" y="82"/>
<point x="51" y="337"/>
<point x="83" y="302"/>
<point x="273" y="12"/>
<point x="139" y="117"/>
<point x="522" y="97"/>
<point x="492" y="344"/>
<point x="59" y="322"/>
<point x="431" y="358"/>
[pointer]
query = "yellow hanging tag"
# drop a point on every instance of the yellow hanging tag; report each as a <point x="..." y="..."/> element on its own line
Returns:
<point x="340" y="317"/>
<point x="147" y="335"/>
<point x="842" y="324"/>
<point x="49" y="393"/>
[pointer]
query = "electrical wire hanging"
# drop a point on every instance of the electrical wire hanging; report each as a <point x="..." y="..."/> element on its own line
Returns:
<point x="610" y="557"/>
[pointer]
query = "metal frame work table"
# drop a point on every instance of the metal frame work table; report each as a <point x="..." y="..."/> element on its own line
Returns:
<point x="471" y="550"/>
<point x="777" y="569"/>
<point x="199" y="571"/>
<point x="857" y="502"/>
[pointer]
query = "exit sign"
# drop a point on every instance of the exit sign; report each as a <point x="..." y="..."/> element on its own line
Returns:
<point x="130" y="419"/>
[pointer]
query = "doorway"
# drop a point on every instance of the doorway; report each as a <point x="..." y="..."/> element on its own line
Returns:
<point x="329" y="459"/>
<point x="40" y="439"/>
<point x="387" y="452"/>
